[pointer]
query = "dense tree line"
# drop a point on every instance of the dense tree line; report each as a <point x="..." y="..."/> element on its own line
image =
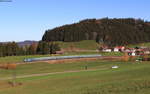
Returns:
<point x="13" y="49"/>
<point x="111" y="32"/>
<point x="47" y="48"/>
<point x="10" y="49"/>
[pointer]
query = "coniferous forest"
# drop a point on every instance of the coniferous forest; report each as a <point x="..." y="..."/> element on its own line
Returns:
<point x="111" y="32"/>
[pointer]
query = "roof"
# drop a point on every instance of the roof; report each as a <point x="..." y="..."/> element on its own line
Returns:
<point x="119" y="47"/>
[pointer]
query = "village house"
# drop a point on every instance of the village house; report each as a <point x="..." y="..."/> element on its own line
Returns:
<point x="119" y="49"/>
<point x="146" y="50"/>
<point x="107" y="50"/>
<point x="137" y="51"/>
<point x="132" y="53"/>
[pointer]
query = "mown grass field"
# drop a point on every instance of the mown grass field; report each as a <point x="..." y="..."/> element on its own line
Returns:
<point x="129" y="78"/>
<point x="36" y="68"/>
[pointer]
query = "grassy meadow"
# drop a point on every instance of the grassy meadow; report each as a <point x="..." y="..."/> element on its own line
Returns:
<point x="42" y="67"/>
<point x="129" y="78"/>
<point x="99" y="78"/>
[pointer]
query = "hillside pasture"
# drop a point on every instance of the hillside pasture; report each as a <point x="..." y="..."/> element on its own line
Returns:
<point x="82" y="45"/>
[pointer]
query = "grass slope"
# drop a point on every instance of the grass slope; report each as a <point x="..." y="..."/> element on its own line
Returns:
<point x="86" y="44"/>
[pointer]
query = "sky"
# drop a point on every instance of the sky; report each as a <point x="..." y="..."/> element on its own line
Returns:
<point x="28" y="19"/>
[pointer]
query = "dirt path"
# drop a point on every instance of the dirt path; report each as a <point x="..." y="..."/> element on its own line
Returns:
<point x="45" y="74"/>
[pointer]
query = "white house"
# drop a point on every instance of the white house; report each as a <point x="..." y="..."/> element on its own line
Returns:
<point x="107" y="50"/>
<point x="133" y="54"/>
<point x="119" y="48"/>
<point x="116" y="50"/>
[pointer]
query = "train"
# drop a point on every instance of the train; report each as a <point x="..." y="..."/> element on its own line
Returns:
<point x="60" y="57"/>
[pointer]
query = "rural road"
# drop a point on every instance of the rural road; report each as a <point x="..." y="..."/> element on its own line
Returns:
<point x="45" y="74"/>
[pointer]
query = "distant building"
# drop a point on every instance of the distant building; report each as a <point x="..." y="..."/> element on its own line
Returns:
<point x="107" y="50"/>
<point x="119" y="49"/>
<point x="138" y="52"/>
<point x="132" y="53"/>
<point x="116" y="50"/>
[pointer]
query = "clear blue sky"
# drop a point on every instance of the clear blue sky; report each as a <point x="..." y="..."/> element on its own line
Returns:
<point x="28" y="19"/>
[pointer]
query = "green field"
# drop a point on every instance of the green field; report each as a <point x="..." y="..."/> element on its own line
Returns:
<point x="129" y="78"/>
<point x="86" y="44"/>
<point x="18" y="59"/>
<point x="35" y="68"/>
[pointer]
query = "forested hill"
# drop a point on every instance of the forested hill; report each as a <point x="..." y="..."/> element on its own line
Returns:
<point x="111" y="32"/>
